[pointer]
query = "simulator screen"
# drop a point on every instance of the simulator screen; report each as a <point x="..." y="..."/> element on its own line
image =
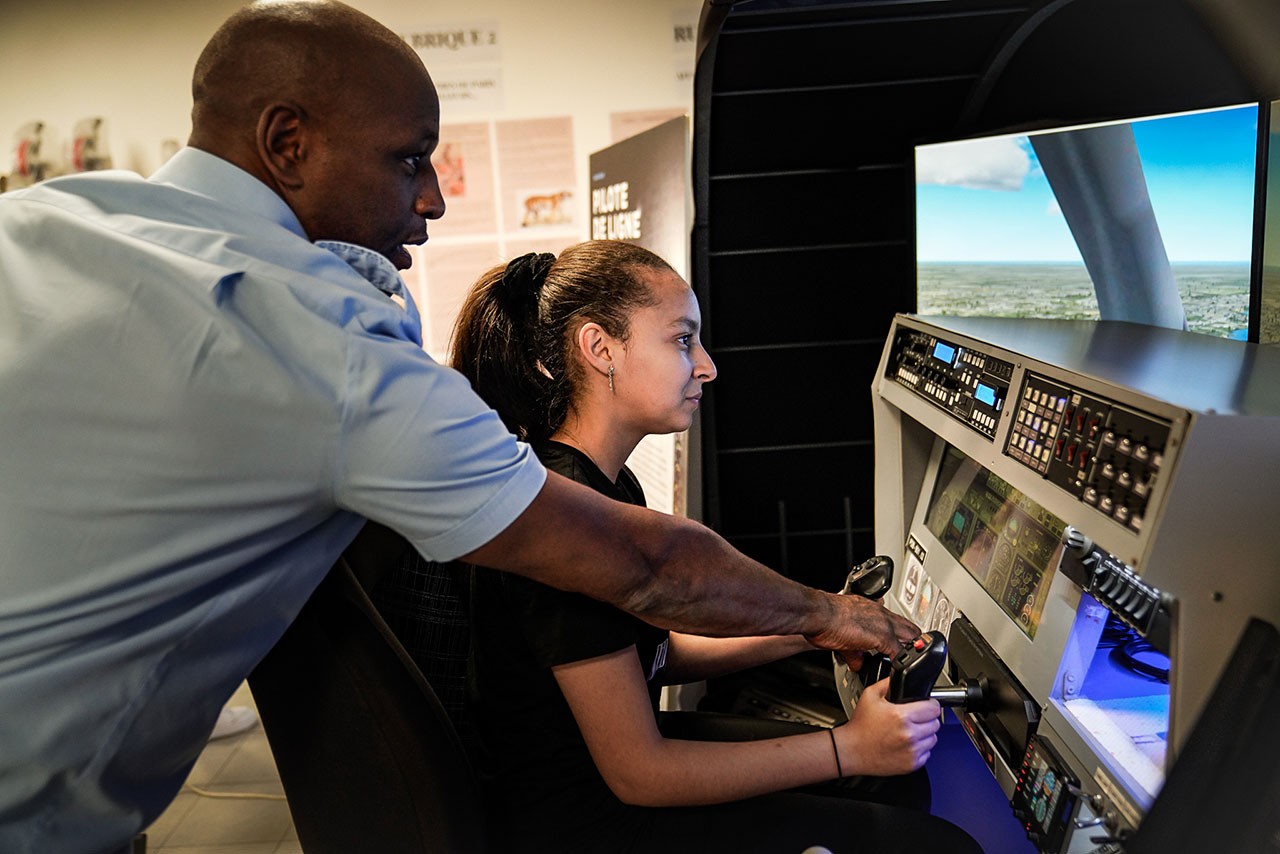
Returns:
<point x="1150" y="220"/>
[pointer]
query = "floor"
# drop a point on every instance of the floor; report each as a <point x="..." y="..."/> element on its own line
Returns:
<point x="232" y="802"/>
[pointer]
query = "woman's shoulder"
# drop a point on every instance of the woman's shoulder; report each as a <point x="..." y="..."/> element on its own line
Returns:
<point x="576" y="465"/>
<point x="629" y="486"/>
<point x="567" y="460"/>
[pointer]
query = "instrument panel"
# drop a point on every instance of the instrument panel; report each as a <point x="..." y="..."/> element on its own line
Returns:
<point x="1084" y="509"/>
<point x="969" y="385"/>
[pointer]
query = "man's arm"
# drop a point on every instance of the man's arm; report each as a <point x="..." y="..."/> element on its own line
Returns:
<point x="676" y="573"/>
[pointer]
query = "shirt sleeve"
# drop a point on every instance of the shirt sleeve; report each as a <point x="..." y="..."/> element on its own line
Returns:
<point x="422" y="454"/>
<point x="562" y="627"/>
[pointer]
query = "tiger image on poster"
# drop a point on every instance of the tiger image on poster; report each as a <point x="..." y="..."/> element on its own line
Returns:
<point x="547" y="209"/>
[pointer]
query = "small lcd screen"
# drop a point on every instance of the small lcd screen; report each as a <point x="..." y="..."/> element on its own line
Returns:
<point x="1002" y="538"/>
<point x="1043" y="788"/>
<point x="944" y="352"/>
<point x="986" y="394"/>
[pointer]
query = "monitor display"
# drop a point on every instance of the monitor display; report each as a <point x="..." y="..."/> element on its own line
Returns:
<point x="1268" y="303"/>
<point x="1006" y="541"/>
<point x="1150" y="220"/>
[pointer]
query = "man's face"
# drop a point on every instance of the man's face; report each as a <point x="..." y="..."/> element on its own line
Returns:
<point x="367" y="176"/>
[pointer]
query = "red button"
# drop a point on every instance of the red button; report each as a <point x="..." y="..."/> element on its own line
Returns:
<point x="919" y="643"/>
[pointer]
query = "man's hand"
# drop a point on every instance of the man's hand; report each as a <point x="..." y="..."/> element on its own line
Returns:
<point x="861" y="625"/>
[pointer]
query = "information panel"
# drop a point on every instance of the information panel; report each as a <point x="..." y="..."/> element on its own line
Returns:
<point x="1006" y="541"/>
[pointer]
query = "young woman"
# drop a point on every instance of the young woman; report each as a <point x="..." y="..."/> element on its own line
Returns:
<point x="583" y="355"/>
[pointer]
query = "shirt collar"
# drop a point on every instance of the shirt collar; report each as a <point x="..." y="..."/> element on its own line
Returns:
<point x="210" y="175"/>
<point x="378" y="271"/>
<point x="374" y="267"/>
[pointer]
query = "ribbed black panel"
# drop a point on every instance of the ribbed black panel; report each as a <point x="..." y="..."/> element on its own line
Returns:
<point x="844" y="294"/>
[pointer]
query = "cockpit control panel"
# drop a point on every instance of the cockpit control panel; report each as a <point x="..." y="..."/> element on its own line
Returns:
<point x="969" y="385"/>
<point x="1084" y="511"/>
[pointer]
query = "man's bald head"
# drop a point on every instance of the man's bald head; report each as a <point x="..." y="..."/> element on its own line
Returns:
<point x="323" y="56"/>
<point x="331" y="111"/>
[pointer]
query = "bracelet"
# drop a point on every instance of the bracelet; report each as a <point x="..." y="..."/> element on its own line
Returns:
<point x="831" y="731"/>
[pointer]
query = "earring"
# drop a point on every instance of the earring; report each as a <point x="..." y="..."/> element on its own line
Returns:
<point x="611" y="379"/>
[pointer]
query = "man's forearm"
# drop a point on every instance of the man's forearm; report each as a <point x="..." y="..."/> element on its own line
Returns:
<point x="676" y="573"/>
<point x="702" y="585"/>
<point x="697" y="582"/>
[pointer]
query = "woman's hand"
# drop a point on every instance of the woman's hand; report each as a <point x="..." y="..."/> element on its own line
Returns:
<point x="883" y="738"/>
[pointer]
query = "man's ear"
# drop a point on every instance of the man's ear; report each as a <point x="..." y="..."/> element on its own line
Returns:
<point x="597" y="347"/>
<point x="282" y="143"/>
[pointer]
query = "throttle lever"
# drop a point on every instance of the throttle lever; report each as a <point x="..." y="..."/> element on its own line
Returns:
<point x="914" y="672"/>
<point x="971" y="695"/>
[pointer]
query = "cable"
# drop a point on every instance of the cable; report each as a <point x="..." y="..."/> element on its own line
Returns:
<point x="1140" y="656"/>
<point x="246" y="795"/>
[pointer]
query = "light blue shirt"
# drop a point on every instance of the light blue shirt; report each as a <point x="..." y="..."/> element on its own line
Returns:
<point x="198" y="410"/>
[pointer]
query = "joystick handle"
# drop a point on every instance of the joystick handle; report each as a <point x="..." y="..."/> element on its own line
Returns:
<point x="870" y="579"/>
<point x="913" y="671"/>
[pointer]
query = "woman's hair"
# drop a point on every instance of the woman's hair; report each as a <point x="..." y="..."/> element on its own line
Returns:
<point x="514" y="337"/>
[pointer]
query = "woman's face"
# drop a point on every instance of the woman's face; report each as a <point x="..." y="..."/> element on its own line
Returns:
<point x="662" y="367"/>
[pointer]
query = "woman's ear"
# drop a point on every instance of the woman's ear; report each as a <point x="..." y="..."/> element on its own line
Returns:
<point x="596" y="347"/>
<point x="282" y="143"/>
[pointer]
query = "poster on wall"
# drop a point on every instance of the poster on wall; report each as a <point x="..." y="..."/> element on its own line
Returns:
<point x="464" y="166"/>
<point x="508" y="190"/>
<point x="640" y="193"/>
<point x="536" y="162"/>
<point x="465" y="59"/>
<point x="628" y="123"/>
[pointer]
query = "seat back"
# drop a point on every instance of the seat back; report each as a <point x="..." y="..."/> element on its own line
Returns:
<point x="367" y="755"/>
<point x="426" y="605"/>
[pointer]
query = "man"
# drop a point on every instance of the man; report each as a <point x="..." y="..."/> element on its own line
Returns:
<point x="207" y="389"/>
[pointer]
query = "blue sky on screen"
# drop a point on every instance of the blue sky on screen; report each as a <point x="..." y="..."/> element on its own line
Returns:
<point x="988" y="200"/>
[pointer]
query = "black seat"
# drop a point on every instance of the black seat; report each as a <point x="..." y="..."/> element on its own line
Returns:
<point x="367" y="755"/>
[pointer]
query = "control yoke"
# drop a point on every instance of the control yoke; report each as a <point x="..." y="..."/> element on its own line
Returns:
<point x="870" y="579"/>
<point x="914" y="670"/>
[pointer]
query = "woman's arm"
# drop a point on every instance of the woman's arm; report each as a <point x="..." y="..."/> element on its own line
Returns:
<point x="611" y="705"/>
<point x="693" y="657"/>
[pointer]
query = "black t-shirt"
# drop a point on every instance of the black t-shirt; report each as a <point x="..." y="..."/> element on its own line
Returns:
<point x="540" y="781"/>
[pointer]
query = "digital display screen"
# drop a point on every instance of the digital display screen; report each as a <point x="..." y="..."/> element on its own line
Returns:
<point x="986" y="394"/>
<point x="944" y="352"/>
<point x="1002" y="538"/>
<point x="1043" y="787"/>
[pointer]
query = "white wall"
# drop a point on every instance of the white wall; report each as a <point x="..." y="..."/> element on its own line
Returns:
<point x="130" y="62"/>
